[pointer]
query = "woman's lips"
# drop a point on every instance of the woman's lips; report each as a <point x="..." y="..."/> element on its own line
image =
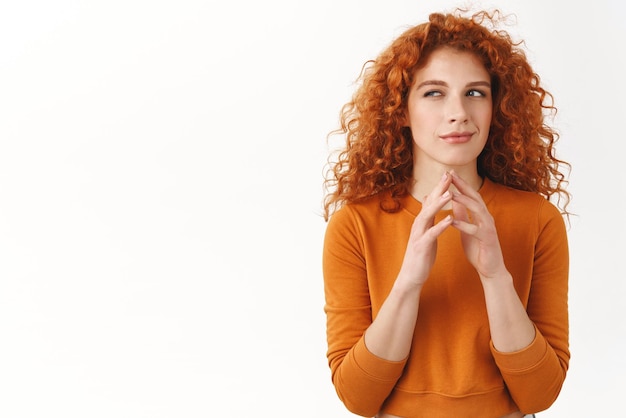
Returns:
<point x="457" y="138"/>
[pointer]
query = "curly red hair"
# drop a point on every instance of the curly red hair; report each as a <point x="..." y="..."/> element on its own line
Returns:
<point x="378" y="155"/>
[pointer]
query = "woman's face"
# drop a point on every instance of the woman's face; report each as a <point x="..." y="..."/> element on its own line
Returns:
<point x="449" y="109"/>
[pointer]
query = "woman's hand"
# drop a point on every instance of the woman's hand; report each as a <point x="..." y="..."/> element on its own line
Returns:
<point x="478" y="230"/>
<point x="511" y="328"/>
<point x="422" y="245"/>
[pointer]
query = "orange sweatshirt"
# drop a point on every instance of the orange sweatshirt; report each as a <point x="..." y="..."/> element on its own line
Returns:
<point x="453" y="370"/>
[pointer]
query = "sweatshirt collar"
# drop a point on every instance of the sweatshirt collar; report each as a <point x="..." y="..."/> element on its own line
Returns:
<point x="414" y="206"/>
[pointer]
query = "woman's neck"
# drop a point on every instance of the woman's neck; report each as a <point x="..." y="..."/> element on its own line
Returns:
<point x="424" y="181"/>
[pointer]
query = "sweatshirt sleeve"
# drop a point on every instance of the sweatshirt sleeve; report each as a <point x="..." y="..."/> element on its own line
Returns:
<point x="535" y="375"/>
<point x="362" y="380"/>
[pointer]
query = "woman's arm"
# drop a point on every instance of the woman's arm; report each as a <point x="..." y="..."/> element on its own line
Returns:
<point x="368" y="356"/>
<point x="511" y="329"/>
<point x="529" y="343"/>
<point x="391" y="333"/>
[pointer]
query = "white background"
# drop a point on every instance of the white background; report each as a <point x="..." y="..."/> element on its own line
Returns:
<point x="160" y="198"/>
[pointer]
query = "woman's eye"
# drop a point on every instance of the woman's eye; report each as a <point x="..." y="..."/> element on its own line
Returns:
<point x="475" y="93"/>
<point x="432" y="93"/>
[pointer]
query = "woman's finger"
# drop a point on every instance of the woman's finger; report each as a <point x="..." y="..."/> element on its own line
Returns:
<point x="469" y="205"/>
<point x="466" y="227"/>
<point x="462" y="185"/>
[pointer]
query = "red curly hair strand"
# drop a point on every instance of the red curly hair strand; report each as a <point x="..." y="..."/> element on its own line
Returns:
<point x="378" y="154"/>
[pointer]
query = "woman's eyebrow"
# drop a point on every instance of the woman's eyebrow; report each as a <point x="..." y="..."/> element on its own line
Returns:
<point x="432" y="83"/>
<point x="443" y="83"/>
<point x="479" y="83"/>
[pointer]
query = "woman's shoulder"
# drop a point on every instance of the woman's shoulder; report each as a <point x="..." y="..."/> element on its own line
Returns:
<point x="362" y="207"/>
<point x="372" y="208"/>
<point x="513" y="201"/>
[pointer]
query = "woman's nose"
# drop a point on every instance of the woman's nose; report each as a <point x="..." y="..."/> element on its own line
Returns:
<point x="455" y="110"/>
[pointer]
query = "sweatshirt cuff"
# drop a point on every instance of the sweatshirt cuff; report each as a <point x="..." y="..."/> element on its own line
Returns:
<point x="375" y="366"/>
<point x="523" y="360"/>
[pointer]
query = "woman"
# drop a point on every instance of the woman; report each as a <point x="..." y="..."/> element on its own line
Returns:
<point x="445" y="262"/>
